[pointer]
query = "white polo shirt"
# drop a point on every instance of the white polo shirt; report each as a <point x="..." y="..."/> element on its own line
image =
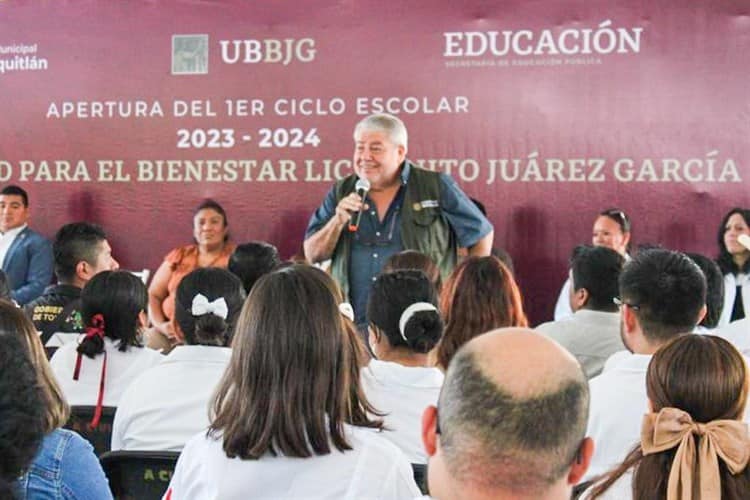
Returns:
<point x="122" y="368"/>
<point x="168" y="404"/>
<point x="403" y="392"/>
<point x="373" y="469"/>
<point x="618" y="403"/>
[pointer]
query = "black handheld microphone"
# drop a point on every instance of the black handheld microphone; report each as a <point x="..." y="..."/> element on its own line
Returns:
<point x="361" y="187"/>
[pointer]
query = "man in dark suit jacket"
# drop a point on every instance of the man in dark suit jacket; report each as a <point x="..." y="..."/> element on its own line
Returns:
<point x="26" y="255"/>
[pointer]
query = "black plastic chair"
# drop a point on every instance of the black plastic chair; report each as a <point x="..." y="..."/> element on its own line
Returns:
<point x="139" y="475"/>
<point x="420" y="476"/>
<point x="100" y="437"/>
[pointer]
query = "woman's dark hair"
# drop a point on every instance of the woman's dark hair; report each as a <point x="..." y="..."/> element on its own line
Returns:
<point x="704" y="376"/>
<point x="714" y="289"/>
<point x="288" y="385"/>
<point x="250" y="261"/>
<point x="4" y="286"/>
<point x="619" y="217"/>
<point x="22" y="412"/>
<point x="480" y="295"/>
<point x="119" y="297"/>
<point x="725" y="260"/>
<point x="411" y="259"/>
<point x="390" y="295"/>
<point x="15" y="323"/>
<point x="213" y="283"/>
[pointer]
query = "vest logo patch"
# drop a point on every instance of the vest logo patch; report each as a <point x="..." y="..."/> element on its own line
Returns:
<point x="425" y="204"/>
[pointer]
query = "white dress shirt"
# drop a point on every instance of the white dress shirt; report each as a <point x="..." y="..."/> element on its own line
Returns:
<point x="403" y="392"/>
<point x="122" y="368"/>
<point x="168" y="404"/>
<point x="731" y="282"/>
<point x="618" y="403"/>
<point x="373" y="469"/>
<point x="736" y="332"/>
<point x="562" y="306"/>
<point x="6" y="240"/>
<point x="590" y="336"/>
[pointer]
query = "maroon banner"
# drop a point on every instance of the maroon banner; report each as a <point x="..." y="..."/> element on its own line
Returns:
<point x="130" y="113"/>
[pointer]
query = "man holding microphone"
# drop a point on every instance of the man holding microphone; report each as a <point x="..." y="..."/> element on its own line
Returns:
<point x="406" y="207"/>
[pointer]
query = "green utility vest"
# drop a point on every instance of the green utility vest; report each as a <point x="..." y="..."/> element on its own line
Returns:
<point x="423" y="226"/>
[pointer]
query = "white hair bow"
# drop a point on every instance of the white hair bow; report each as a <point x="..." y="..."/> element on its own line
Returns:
<point x="202" y="306"/>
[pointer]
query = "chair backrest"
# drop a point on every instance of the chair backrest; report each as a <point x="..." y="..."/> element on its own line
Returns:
<point x="139" y="475"/>
<point x="100" y="437"/>
<point x="420" y="476"/>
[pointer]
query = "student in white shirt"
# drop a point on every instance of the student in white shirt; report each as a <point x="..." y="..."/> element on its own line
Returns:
<point x="283" y="413"/>
<point x="405" y="326"/>
<point x="693" y="441"/>
<point x="168" y="404"/>
<point x="612" y="230"/>
<point x="662" y="295"/>
<point x="734" y="261"/>
<point x="96" y="371"/>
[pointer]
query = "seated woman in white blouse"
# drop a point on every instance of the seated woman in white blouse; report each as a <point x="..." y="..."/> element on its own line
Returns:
<point x="693" y="443"/>
<point x="283" y="413"/>
<point x="734" y="262"/>
<point x="168" y="404"/>
<point x="96" y="371"/>
<point x="404" y="327"/>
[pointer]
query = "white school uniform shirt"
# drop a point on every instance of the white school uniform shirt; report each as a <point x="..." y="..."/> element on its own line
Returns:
<point x="562" y="306"/>
<point x="403" y="392"/>
<point x="7" y="238"/>
<point x="618" y="403"/>
<point x="373" y="469"/>
<point x="731" y="282"/>
<point x="122" y="368"/>
<point x="168" y="404"/>
<point x="736" y="332"/>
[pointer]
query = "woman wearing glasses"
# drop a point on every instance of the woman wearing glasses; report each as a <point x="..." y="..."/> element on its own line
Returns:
<point x="734" y="261"/>
<point x="611" y="230"/>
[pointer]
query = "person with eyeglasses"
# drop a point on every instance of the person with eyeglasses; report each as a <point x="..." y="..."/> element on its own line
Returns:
<point x="406" y="208"/>
<point x="662" y="294"/>
<point x="611" y="230"/>
<point x="734" y="262"/>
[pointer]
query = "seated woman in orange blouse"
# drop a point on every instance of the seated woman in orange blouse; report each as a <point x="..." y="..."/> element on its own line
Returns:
<point x="211" y="249"/>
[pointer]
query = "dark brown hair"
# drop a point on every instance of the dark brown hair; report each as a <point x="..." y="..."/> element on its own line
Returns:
<point x="725" y="259"/>
<point x="14" y="322"/>
<point x="288" y="387"/>
<point x="704" y="376"/>
<point x="480" y="295"/>
<point x="411" y="259"/>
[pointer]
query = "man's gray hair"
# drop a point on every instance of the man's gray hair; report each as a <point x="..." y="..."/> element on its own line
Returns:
<point x="493" y="439"/>
<point x="390" y="125"/>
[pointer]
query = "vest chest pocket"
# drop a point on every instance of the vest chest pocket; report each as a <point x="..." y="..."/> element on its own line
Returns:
<point x="426" y="216"/>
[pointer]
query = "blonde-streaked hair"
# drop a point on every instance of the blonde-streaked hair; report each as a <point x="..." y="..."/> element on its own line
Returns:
<point x="14" y="322"/>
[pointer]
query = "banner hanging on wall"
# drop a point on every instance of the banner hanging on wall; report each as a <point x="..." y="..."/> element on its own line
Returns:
<point x="130" y="113"/>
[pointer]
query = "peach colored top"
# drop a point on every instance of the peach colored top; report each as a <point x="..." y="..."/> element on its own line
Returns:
<point x="183" y="261"/>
